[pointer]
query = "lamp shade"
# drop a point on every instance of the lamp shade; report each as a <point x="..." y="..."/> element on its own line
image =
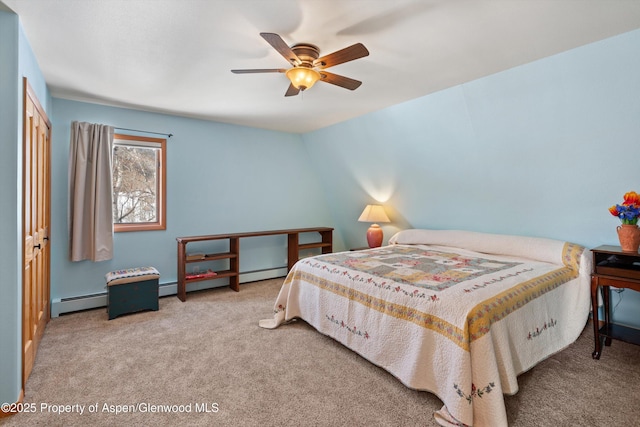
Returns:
<point x="374" y="213"/>
<point x="302" y="77"/>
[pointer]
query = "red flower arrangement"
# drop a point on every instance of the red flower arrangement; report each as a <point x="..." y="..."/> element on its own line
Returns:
<point x="629" y="210"/>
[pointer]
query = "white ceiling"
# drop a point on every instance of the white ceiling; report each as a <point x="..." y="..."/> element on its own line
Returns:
<point x="175" y="56"/>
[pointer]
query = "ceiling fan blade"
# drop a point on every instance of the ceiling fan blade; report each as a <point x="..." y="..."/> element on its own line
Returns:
<point x="341" y="56"/>
<point x="292" y="91"/>
<point x="338" y="80"/>
<point x="260" y="70"/>
<point x="283" y="49"/>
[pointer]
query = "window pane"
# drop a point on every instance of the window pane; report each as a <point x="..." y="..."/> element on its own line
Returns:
<point x="137" y="184"/>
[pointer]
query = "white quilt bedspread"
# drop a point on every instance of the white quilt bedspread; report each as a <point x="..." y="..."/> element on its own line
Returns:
<point x="459" y="314"/>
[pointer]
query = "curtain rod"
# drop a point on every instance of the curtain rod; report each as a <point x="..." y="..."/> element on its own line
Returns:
<point x="146" y="131"/>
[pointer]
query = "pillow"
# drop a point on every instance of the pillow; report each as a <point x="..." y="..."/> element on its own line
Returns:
<point x="537" y="248"/>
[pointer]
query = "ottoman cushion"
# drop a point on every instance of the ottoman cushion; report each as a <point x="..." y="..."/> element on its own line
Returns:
<point x="131" y="275"/>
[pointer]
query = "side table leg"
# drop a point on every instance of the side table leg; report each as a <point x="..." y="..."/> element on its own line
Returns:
<point x="606" y="297"/>
<point x="596" y="324"/>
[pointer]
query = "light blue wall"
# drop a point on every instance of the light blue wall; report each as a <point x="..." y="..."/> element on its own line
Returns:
<point x="220" y="179"/>
<point x="10" y="293"/>
<point x="16" y="61"/>
<point x="541" y="150"/>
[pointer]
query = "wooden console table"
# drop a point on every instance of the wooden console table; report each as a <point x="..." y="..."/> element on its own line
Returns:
<point x="233" y="273"/>
<point x="612" y="267"/>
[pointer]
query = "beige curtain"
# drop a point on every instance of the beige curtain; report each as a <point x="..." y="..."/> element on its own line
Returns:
<point x="90" y="192"/>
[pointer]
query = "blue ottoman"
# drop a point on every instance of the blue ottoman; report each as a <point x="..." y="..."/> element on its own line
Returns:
<point x="132" y="290"/>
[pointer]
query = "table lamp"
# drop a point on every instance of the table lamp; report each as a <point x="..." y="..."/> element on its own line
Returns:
<point x="374" y="214"/>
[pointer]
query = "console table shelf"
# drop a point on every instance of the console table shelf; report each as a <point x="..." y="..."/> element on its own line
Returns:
<point x="212" y="257"/>
<point x="313" y="245"/>
<point x="233" y="255"/>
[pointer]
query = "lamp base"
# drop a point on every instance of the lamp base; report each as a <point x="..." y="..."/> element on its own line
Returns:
<point x="374" y="236"/>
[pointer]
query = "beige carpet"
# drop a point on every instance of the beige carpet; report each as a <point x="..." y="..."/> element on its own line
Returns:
<point x="208" y="354"/>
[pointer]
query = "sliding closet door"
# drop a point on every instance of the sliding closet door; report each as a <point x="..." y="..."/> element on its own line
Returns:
<point x="36" y="222"/>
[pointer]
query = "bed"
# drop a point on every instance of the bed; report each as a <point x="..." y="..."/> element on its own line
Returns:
<point x="456" y="313"/>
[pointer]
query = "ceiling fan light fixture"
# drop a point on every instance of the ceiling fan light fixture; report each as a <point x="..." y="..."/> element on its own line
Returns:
<point x="302" y="77"/>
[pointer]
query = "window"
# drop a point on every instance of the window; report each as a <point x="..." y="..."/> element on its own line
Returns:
<point x="138" y="167"/>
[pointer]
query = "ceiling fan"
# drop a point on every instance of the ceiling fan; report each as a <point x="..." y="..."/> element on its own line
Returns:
<point x="308" y="66"/>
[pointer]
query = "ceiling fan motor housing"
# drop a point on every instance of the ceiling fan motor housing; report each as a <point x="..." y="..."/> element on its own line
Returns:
<point x="307" y="53"/>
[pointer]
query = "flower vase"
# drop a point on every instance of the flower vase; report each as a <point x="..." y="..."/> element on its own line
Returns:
<point x="629" y="236"/>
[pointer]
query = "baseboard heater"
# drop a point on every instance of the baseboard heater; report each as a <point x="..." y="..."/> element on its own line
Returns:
<point x="99" y="299"/>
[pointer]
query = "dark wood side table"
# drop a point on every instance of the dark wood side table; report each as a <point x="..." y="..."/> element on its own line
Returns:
<point x="612" y="267"/>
